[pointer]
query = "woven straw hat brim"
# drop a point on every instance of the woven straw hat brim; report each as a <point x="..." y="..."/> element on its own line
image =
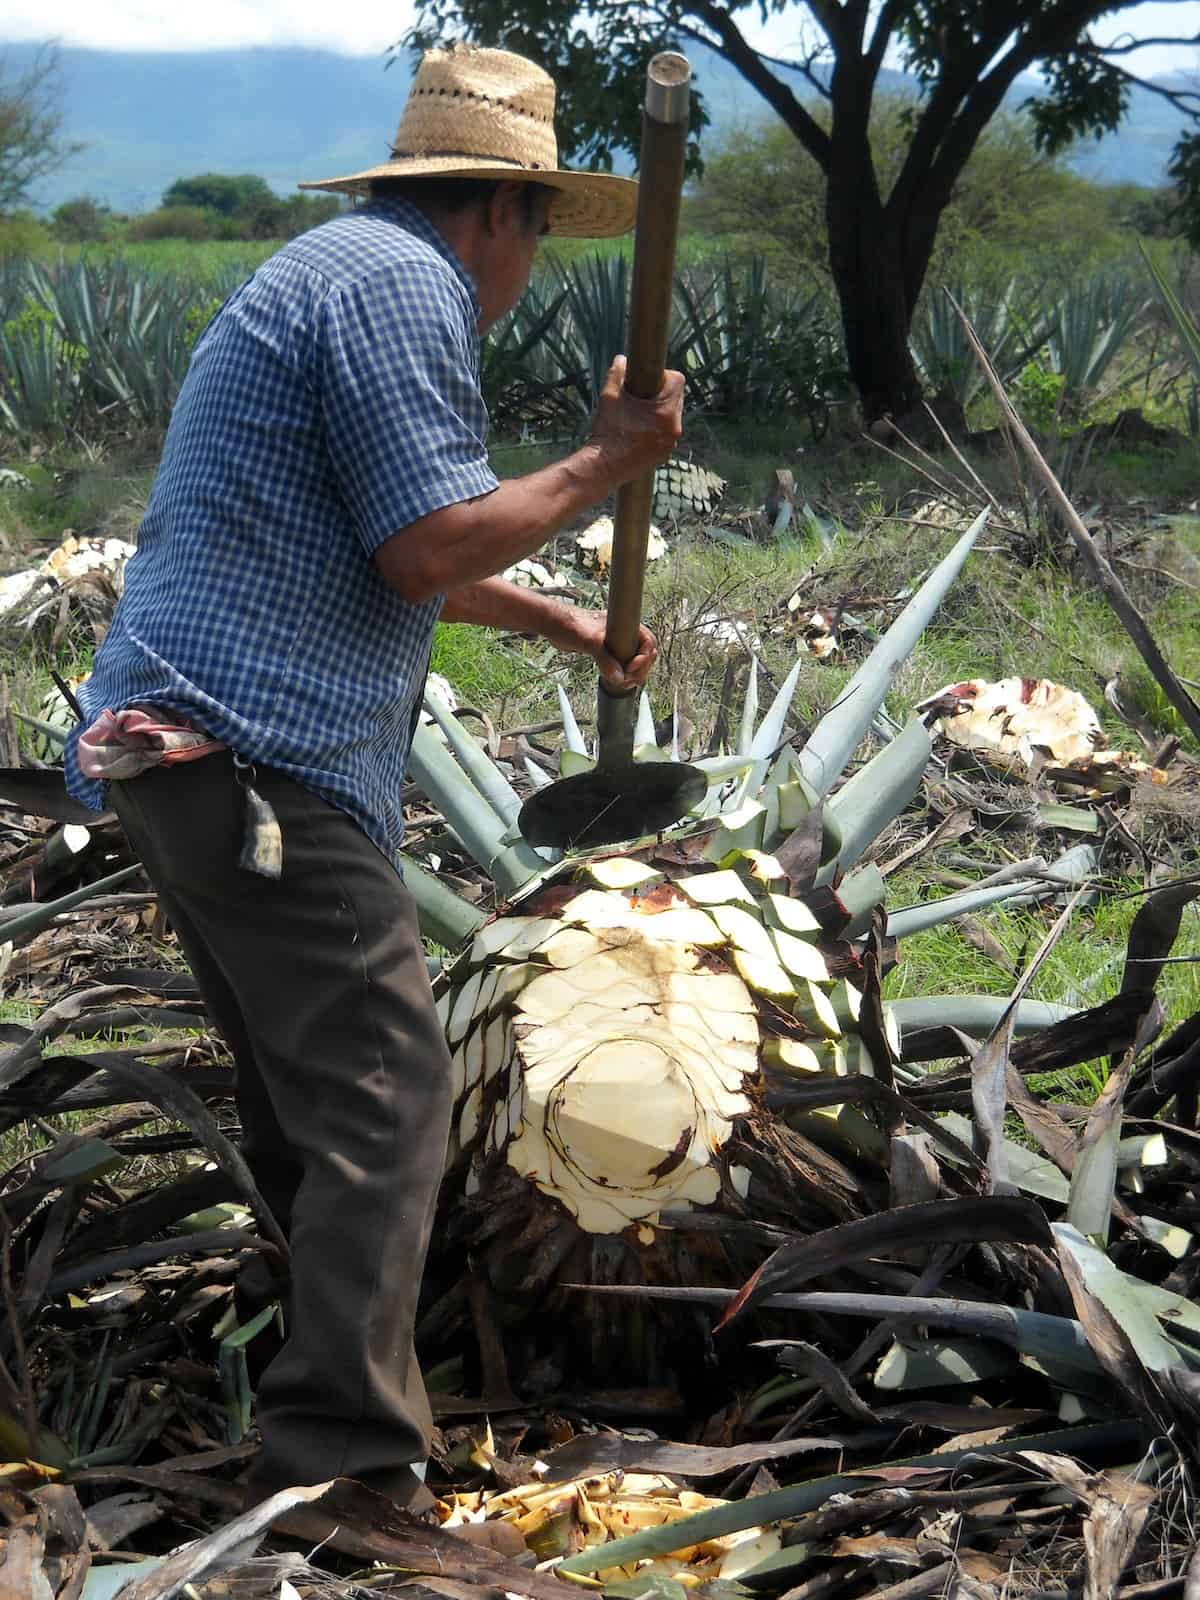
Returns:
<point x="589" y="205"/>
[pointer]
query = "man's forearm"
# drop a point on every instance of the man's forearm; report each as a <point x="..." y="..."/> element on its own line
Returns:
<point x="468" y="542"/>
<point x="463" y="543"/>
<point x="496" y="603"/>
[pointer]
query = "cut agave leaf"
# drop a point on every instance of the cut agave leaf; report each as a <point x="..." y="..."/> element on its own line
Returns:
<point x="800" y="958"/>
<point x="813" y="1008"/>
<point x="847" y="1004"/>
<point x="717" y="889"/>
<point x="475" y="762"/>
<point x="744" y="931"/>
<point x="572" y="762"/>
<point x="793" y="916"/>
<point x="1030" y="1172"/>
<point x="1176" y="1241"/>
<point x="842" y="1128"/>
<point x="621" y="872"/>
<point x="765" y="977"/>
<point x="860" y="892"/>
<point x="1121" y="1296"/>
<point x="791" y="1056"/>
<point x="444" y="916"/>
<point x="938" y="1363"/>
<point x="571" y="734"/>
<point x="741" y="829"/>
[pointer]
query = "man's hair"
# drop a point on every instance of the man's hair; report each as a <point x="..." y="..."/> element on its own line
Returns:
<point x="450" y="196"/>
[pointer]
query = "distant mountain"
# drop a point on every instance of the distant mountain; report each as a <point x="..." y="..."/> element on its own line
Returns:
<point x="146" y="119"/>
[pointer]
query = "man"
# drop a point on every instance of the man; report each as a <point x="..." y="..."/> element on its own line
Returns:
<point x="324" y="495"/>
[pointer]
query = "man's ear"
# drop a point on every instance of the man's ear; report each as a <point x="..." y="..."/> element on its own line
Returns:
<point x="505" y="209"/>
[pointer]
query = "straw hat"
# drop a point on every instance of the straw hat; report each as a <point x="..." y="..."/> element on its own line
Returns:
<point x="475" y="113"/>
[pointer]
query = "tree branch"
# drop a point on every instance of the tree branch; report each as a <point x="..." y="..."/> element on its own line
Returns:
<point x="963" y="103"/>
<point x="1137" y="44"/>
<point x="885" y="25"/>
<point x="778" y="96"/>
<point x="831" y="17"/>
<point x="1185" y="100"/>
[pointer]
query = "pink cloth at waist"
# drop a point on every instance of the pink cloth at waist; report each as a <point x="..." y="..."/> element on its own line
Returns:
<point x="122" y="744"/>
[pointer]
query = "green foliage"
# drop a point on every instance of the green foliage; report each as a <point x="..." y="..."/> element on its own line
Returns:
<point x="762" y="192"/>
<point x="1037" y="395"/>
<point x="39" y="371"/>
<point x="22" y="235"/>
<point x="81" y="221"/>
<point x="1092" y="322"/>
<point x="749" y="348"/>
<point x="752" y="350"/>
<point x="883" y="216"/>
<point x="1008" y="323"/>
<point x="257" y="214"/>
<point x="217" y="191"/>
<point x="196" y="318"/>
<point x="192" y="223"/>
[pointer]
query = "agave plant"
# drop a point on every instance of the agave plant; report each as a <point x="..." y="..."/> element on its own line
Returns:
<point x="1092" y="324"/>
<point x="750" y="349"/>
<point x="616" y="1025"/>
<point x="90" y="336"/>
<point x="1009" y="330"/>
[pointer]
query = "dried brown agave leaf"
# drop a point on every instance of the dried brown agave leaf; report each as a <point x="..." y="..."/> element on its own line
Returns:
<point x="1008" y="1218"/>
<point x="989" y="1067"/>
<point x="1152" y="934"/>
<point x="1118" y="1506"/>
<point x="606" y="1452"/>
<point x="217" y="1552"/>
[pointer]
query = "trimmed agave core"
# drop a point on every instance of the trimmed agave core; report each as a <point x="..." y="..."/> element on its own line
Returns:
<point x="607" y="1050"/>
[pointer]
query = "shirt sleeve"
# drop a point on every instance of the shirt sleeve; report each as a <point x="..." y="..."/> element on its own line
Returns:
<point x="405" y="422"/>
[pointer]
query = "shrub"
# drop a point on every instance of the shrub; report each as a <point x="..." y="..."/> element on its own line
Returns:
<point x="23" y="235"/>
<point x="81" y="221"/>
<point x="192" y="223"/>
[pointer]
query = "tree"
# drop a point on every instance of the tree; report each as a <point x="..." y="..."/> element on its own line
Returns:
<point x="227" y="193"/>
<point x="764" y="192"/>
<point x="81" y="221"/>
<point x="965" y="55"/>
<point x="31" y="141"/>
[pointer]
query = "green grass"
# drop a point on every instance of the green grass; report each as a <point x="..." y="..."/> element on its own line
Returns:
<point x="84" y="494"/>
<point x="214" y="261"/>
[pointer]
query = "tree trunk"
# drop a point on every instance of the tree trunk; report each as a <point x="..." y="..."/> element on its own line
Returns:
<point x="866" y="256"/>
<point x="868" y="266"/>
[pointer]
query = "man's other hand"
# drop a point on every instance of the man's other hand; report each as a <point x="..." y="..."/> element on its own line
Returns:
<point x="581" y="633"/>
<point x="637" y="435"/>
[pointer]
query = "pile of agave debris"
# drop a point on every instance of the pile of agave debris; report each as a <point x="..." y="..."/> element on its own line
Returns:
<point x="744" y="1281"/>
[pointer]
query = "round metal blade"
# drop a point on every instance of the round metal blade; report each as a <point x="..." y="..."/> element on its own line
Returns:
<point x="612" y="803"/>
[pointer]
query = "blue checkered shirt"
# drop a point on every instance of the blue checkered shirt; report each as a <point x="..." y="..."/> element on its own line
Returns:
<point x="332" y="401"/>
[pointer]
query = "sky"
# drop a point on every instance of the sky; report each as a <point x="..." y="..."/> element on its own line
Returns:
<point x="368" y="27"/>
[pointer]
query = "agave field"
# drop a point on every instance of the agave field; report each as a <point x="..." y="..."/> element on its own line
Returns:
<point x="98" y="344"/>
<point x="762" y="1267"/>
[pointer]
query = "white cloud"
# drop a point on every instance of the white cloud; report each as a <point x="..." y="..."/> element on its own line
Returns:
<point x="370" y="26"/>
<point x="365" y="28"/>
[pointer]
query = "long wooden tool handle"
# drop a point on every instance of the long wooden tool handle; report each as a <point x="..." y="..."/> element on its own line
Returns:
<point x="664" y="148"/>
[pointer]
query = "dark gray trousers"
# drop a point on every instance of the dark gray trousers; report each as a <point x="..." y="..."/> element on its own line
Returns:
<point x="318" y="984"/>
